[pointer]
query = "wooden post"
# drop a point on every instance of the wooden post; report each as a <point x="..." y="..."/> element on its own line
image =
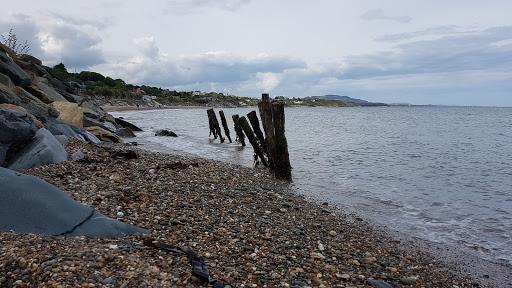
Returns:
<point x="252" y="139"/>
<point x="282" y="167"/>
<point x="255" y="123"/>
<point x="215" y="123"/>
<point x="265" y="107"/>
<point x="239" y="133"/>
<point x="212" y="127"/>
<point x="225" y="125"/>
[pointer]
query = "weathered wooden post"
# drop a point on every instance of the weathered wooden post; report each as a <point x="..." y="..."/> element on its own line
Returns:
<point x="282" y="167"/>
<point x="265" y="107"/>
<point x="215" y="123"/>
<point x="225" y="125"/>
<point x="252" y="139"/>
<point x="239" y="133"/>
<point x="212" y="127"/>
<point x="255" y="123"/>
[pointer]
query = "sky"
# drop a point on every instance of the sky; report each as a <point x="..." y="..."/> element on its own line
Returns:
<point x="456" y="52"/>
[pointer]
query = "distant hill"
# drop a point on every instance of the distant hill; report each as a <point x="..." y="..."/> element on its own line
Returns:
<point x="349" y="100"/>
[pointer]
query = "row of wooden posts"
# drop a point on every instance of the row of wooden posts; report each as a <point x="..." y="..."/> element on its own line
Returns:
<point x="270" y="145"/>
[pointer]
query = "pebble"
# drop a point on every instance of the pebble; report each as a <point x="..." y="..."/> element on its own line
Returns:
<point x="408" y="280"/>
<point x="333" y="233"/>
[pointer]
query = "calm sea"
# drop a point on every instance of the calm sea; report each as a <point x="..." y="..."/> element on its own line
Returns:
<point x="443" y="174"/>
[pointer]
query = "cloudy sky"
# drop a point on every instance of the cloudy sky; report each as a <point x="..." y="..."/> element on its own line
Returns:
<point x="414" y="51"/>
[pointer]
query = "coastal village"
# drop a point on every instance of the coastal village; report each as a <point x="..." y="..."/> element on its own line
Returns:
<point x="81" y="208"/>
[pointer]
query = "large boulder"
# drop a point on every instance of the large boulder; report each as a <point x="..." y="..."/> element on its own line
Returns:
<point x="22" y="110"/>
<point x="16" y="127"/>
<point x="43" y="84"/>
<point x="44" y="149"/>
<point x="31" y="205"/>
<point x="69" y="112"/>
<point x="125" y="132"/>
<point x="33" y="104"/>
<point x="11" y="69"/>
<point x="60" y="128"/>
<point x="103" y="134"/>
<point x="3" y="153"/>
<point x="91" y="138"/>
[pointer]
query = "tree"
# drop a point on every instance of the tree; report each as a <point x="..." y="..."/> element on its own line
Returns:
<point x="11" y="40"/>
<point x="60" y="72"/>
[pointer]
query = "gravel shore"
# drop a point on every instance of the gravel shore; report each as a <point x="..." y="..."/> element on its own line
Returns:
<point x="251" y="230"/>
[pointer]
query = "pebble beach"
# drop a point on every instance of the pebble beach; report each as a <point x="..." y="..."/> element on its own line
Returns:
<point x="250" y="229"/>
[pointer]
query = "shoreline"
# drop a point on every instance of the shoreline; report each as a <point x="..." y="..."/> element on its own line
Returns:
<point x="253" y="230"/>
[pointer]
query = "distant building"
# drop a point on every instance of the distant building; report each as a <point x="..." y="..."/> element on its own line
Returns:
<point x="148" y="98"/>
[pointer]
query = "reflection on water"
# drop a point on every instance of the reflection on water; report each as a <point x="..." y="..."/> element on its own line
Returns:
<point x="440" y="173"/>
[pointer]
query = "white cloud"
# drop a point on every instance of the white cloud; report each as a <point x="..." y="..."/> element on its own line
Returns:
<point x="187" y="6"/>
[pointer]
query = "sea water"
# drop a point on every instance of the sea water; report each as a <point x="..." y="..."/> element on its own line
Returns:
<point x="442" y="174"/>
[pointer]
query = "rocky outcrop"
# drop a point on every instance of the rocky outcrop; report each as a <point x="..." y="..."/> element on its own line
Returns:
<point x="42" y="90"/>
<point x="103" y="134"/>
<point x="90" y="122"/>
<point x="31" y="205"/>
<point x="43" y="149"/>
<point x="11" y="69"/>
<point x="37" y="107"/>
<point x="127" y="124"/>
<point x="69" y="112"/>
<point x="7" y="95"/>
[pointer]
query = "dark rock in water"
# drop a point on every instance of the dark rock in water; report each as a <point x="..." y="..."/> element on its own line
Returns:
<point x="379" y="283"/>
<point x="16" y="127"/>
<point x="165" y="132"/>
<point x="125" y="132"/>
<point x="127" y="124"/>
<point x="11" y="69"/>
<point x="31" y="205"/>
<point x="44" y="149"/>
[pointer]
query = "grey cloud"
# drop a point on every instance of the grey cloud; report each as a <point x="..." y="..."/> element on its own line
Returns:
<point x="212" y="67"/>
<point x="187" y="6"/>
<point x="451" y="53"/>
<point x="378" y="14"/>
<point x="57" y="41"/>
<point x="77" y="21"/>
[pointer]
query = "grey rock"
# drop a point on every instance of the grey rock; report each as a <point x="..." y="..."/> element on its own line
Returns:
<point x="11" y="69"/>
<point x="16" y="127"/>
<point x="379" y="283"/>
<point x="63" y="139"/>
<point x="77" y="155"/>
<point x="6" y="96"/>
<point x="90" y="122"/>
<point x="91" y="138"/>
<point x="31" y="205"/>
<point x="44" y="149"/>
<point x="125" y="132"/>
<point x="3" y="153"/>
<point x="127" y="124"/>
<point x="408" y="280"/>
<point x="36" y="107"/>
<point x="165" y="132"/>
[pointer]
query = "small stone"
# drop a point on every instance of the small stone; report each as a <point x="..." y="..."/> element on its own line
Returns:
<point x="120" y="214"/>
<point x="109" y="281"/>
<point x="343" y="276"/>
<point x="392" y="269"/>
<point x="321" y="246"/>
<point x="355" y="262"/>
<point x="333" y="233"/>
<point x="22" y="263"/>
<point x="369" y="259"/>
<point x="379" y="283"/>
<point x="408" y="280"/>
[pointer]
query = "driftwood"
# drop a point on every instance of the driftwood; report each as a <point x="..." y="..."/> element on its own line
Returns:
<point x="265" y="108"/>
<point x="212" y="126"/>
<point x="215" y="124"/>
<point x="255" y="123"/>
<point x="282" y="167"/>
<point x="225" y="125"/>
<point x="252" y="139"/>
<point x="239" y="133"/>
